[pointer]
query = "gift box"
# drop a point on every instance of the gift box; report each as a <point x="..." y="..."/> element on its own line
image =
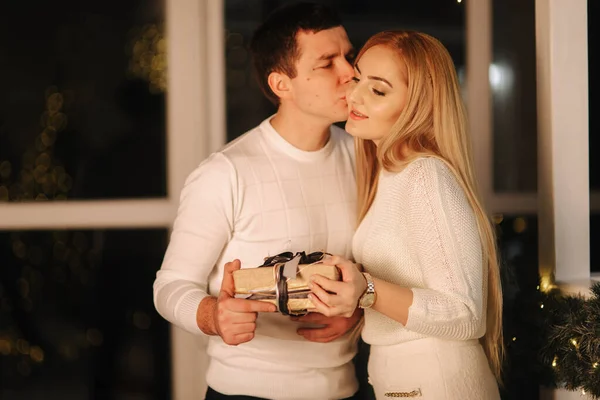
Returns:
<point x="283" y="280"/>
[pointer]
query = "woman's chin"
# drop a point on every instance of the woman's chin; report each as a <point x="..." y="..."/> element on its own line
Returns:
<point x="351" y="128"/>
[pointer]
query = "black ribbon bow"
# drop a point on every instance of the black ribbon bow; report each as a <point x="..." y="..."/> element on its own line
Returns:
<point x="282" y="289"/>
<point x="288" y="255"/>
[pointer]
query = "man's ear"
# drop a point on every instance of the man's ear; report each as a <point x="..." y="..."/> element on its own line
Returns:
<point x="280" y="84"/>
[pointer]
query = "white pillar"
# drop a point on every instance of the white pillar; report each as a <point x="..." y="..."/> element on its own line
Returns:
<point x="563" y="149"/>
<point x="478" y="96"/>
<point x="196" y="127"/>
<point x="216" y="73"/>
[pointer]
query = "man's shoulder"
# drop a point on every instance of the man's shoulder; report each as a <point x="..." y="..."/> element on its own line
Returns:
<point x="226" y="159"/>
<point x="237" y="156"/>
<point x="243" y="143"/>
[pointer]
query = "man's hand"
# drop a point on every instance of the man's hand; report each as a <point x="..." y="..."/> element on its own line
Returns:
<point x="334" y="327"/>
<point x="232" y="319"/>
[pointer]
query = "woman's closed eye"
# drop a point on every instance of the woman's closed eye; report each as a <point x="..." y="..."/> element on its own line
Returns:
<point x="356" y="79"/>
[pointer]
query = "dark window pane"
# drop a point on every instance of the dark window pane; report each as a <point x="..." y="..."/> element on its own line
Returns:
<point x="82" y="89"/>
<point x="593" y="45"/>
<point x="594" y="240"/>
<point x="77" y="319"/>
<point x="247" y="107"/>
<point x="517" y="241"/>
<point x="512" y="80"/>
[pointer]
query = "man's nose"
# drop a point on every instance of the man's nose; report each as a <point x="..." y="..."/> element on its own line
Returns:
<point x="347" y="72"/>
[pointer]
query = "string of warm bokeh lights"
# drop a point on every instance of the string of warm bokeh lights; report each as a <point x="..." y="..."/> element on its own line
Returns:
<point x="147" y="51"/>
<point x="41" y="176"/>
<point x="69" y="259"/>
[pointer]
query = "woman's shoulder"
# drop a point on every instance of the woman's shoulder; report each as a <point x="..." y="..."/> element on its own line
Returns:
<point x="425" y="168"/>
<point x="424" y="175"/>
<point x="428" y="164"/>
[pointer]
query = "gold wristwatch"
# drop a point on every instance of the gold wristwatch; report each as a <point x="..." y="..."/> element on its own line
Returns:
<point x="369" y="296"/>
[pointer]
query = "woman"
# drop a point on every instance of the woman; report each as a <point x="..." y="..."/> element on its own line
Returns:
<point x="431" y="291"/>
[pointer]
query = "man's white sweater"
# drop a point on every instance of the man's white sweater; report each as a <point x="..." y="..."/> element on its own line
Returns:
<point x="258" y="197"/>
<point x="421" y="233"/>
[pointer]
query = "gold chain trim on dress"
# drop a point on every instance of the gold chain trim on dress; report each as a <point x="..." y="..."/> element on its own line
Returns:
<point x="414" y="393"/>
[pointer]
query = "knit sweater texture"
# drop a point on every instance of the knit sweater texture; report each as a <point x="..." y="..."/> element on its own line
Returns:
<point x="421" y="233"/>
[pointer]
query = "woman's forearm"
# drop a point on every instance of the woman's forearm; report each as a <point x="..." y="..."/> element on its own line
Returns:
<point x="392" y="300"/>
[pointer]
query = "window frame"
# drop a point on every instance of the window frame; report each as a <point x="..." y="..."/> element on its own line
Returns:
<point x="195" y="127"/>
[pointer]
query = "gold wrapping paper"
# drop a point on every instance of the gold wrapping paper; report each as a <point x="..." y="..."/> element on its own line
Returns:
<point x="259" y="284"/>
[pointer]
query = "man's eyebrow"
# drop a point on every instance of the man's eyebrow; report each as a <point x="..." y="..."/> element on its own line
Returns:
<point x="330" y="56"/>
<point x="327" y="56"/>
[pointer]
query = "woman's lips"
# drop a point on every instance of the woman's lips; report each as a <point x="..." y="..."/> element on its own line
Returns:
<point x="355" y="115"/>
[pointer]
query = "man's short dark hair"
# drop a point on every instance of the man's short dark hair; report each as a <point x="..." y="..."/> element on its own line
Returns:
<point x="274" y="47"/>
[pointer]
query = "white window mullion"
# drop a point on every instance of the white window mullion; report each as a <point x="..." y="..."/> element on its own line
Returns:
<point x="196" y="113"/>
<point x="186" y="116"/>
<point x="479" y="104"/>
<point x="151" y="213"/>
<point x="187" y="97"/>
<point x="478" y="93"/>
<point x="563" y="144"/>
<point x="216" y="70"/>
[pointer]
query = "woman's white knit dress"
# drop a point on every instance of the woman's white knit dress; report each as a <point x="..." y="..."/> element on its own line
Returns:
<point x="421" y="233"/>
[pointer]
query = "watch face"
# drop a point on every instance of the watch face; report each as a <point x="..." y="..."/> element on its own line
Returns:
<point x="367" y="300"/>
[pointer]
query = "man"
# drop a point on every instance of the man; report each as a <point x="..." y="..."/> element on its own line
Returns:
<point x="286" y="185"/>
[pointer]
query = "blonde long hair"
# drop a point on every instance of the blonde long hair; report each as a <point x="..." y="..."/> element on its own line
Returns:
<point x="433" y="123"/>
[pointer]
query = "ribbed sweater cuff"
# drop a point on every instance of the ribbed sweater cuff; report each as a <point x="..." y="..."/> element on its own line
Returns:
<point x="187" y="310"/>
<point x="419" y="313"/>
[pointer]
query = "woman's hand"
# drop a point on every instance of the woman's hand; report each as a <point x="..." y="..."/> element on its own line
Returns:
<point x="334" y="297"/>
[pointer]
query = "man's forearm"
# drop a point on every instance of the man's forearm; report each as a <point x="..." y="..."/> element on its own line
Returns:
<point x="205" y="315"/>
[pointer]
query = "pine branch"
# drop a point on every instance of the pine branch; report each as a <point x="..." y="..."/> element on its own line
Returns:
<point x="573" y="342"/>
